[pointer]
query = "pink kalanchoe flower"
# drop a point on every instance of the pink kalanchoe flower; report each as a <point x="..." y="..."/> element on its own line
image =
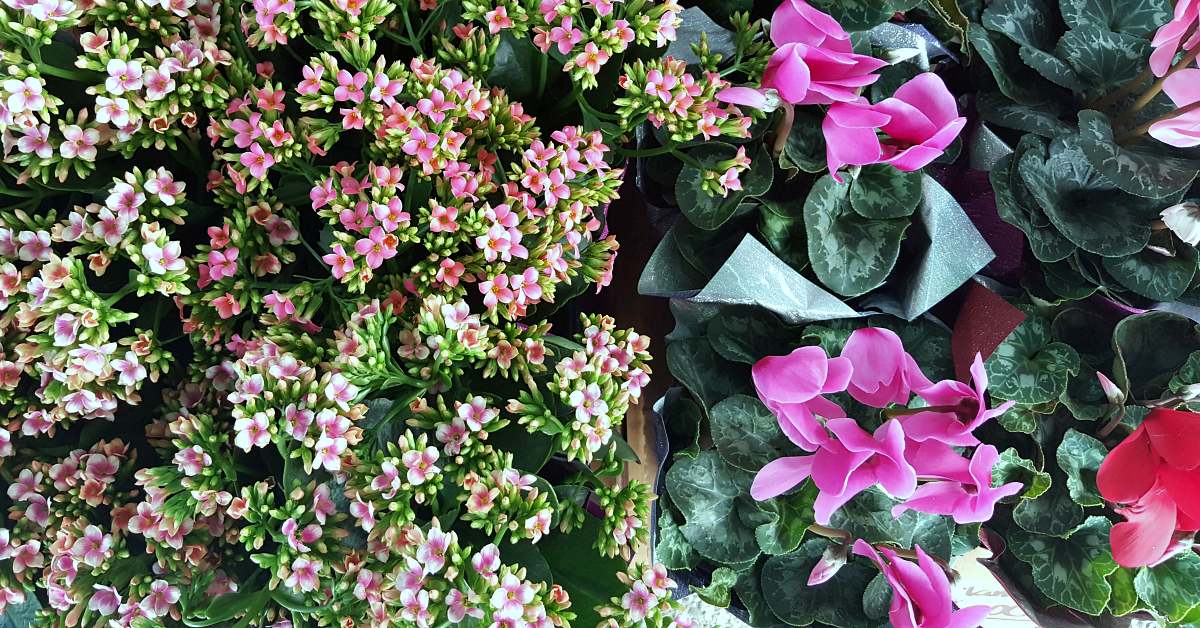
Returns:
<point x="350" y="86"/>
<point x="312" y="79"/>
<point x="227" y="306"/>
<point x="420" y="465"/>
<point x="252" y="431"/>
<point x="257" y="161"/>
<point x="1169" y="37"/>
<point x="222" y="263"/>
<point x="1183" y="130"/>
<point x="510" y="598"/>
<point x="192" y="460"/>
<point x="921" y="591"/>
<point x="303" y="575"/>
<point x="959" y="410"/>
<point x="969" y="499"/>
<point x="105" y="600"/>
<point x="843" y="468"/>
<point x="884" y="373"/>
<point x="638" y="601"/>
<point x="378" y="247"/>
<point x="797" y="22"/>
<point x="791" y="386"/>
<point x="921" y="119"/>
<point x="162" y="596"/>
<point x="79" y="143"/>
<point x="587" y="403"/>
<point x="808" y="75"/>
<point x="340" y="264"/>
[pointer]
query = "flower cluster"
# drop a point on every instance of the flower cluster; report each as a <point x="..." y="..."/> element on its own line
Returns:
<point x="683" y="105"/>
<point x="917" y="443"/>
<point x="648" y="602"/>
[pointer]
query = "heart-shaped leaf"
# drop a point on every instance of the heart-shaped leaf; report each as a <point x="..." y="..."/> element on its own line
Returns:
<point x="1132" y="17"/>
<point x="1080" y="455"/>
<point x="837" y="602"/>
<point x="1017" y="206"/>
<point x="793" y="515"/>
<point x="1124" y="598"/>
<point x="1053" y="513"/>
<point x="882" y="191"/>
<point x="706" y="374"/>
<point x="1041" y="119"/>
<point x="1145" y="167"/>
<point x="1027" y="367"/>
<point x="706" y="490"/>
<point x="1026" y="22"/>
<point x="1102" y="58"/>
<point x="785" y="237"/>
<point x="1013" y="468"/>
<point x="1172" y="588"/>
<point x="702" y="209"/>
<point x="718" y="589"/>
<point x="747" y="434"/>
<point x="1015" y="79"/>
<point x="1070" y="571"/>
<point x="850" y="254"/>
<point x="747" y="334"/>
<point x="1054" y="69"/>
<point x="1150" y="349"/>
<point x="1154" y="275"/>
<point x="1188" y="374"/>
<point x="856" y="15"/>
<point x="805" y="147"/>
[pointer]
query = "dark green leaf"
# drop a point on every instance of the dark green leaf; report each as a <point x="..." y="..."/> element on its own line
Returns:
<point x="21" y="615"/>
<point x="1013" y="468"/>
<point x="747" y="434"/>
<point x="1054" y="69"/>
<point x="868" y="516"/>
<point x="683" y="418"/>
<point x="673" y="550"/>
<point x="1188" y="374"/>
<point x="850" y="254"/>
<point x="805" y="147"/>
<point x="708" y="249"/>
<point x="1018" y="207"/>
<point x="1026" y="22"/>
<point x="1054" y="513"/>
<point x="1124" y="598"/>
<point x="748" y="334"/>
<point x="1132" y="17"/>
<point x="877" y="599"/>
<point x="793" y="515"/>
<point x="1015" y="79"/>
<point x="891" y="77"/>
<point x="881" y="191"/>
<point x="832" y="336"/>
<point x="856" y="15"/>
<point x="1102" y="58"/>
<point x="1151" y="348"/>
<point x="1145" y="167"/>
<point x="1172" y="588"/>
<point x="702" y="209"/>
<point x="708" y="376"/>
<point x="758" y="178"/>
<point x="706" y="489"/>
<point x="1080" y="455"/>
<point x="837" y="602"/>
<point x="749" y="591"/>
<point x="932" y="533"/>
<point x="589" y="578"/>
<point x="1070" y="571"/>
<point x="785" y="237"/>
<point x="1027" y="367"/>
<point x="1040" y="119"/>
<point x="514" y="65"/>
<point x="1019" y="418"/>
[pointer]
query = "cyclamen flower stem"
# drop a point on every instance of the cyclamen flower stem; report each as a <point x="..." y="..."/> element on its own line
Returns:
<point x="832" y="533"/>
<point x="898" y="412"/>
<point x="1105" y="102"/>
<point x="1141" y="130"/>
<point x="784" y="131"/>
<point x="907" y="553"/>
<point x="1145" y="98"/>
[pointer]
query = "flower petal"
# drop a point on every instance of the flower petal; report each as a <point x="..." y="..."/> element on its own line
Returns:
<point x="1144" y="538"/>
<point x="1175" y="436"/>
<point x="1129" y="469"/>
<point x="780" y="475"/>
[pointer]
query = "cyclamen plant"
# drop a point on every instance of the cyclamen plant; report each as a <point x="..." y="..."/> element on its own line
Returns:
<point x="333" y="255"/>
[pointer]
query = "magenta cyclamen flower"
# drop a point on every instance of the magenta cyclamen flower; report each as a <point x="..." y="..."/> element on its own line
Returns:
<point x="1183" y="130"/>
<point x="797" y="22"/>
<point x="1170" y="36"/>
<point x="969" y="497"/>
<point x="843" y="468"/>
<point x="810" y="75"/>
<point x="792" y="385"/>
<point x="921" y="591"/>
<point x="921" y="119"/>
<point x="884" y="373"/>
<point x="956" y="410"/>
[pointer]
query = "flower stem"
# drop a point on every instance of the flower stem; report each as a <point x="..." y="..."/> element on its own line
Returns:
<point x="907" y="553"/>
<point x="892" y="413"/>
<point x="1105" y="102"/>
<point x="129" y="287"/>
<point x="1134" y="133"/>
<point x="649" y="152"/>
<point x="1145" y="98"/>
<point x="832" y="533"/>
<point x="64" y="73"/>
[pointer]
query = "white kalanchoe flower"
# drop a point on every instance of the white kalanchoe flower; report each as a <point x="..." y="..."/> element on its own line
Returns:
<point x="1184" y="220"/>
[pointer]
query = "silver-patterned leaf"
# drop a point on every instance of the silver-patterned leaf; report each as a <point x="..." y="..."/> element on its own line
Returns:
<point x="1070" y="571"/>
<point x="850" y="254"/>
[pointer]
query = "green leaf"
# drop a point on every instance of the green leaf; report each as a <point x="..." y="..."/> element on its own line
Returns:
<point x="1027" y="367"/>
<point x="706" y="489"/>
<point x="1013" y="468"/>
<point x="856" y="15"/>
<point x="1124" y="598"/>
<point x="589" y="578"/>
<point x="1026" y="22"/>
<point x="1015" y="79"/>
<point x="1080" y="455"/>
<point x="747" y="434"/>
<point x="837" y="602"/>
<point x="757" y="179"/>
<point x="1102" y="58"/>
<point x="1132" y="17"/>
<point x="832" y="336"/>
<point x="750" y="593"/>
<point x="708" y="376"/>
<point x="1018" y="207"/>
<point x="785" y="237"/>
<point x="704" y="210"/>
<point x="882" y="191"/>
<point x="513" y="67"/>
<point x="877" y="599"/>
<point x="673" y="550"/>
<point x="21" y="615"/>
<point x="850" y="254"/>
<point x="1087" y="332"/>
<point x="1067" y="282"/>
<point x="793" y="515"/>
<point x="530" y="451"/>
<point x="1054" y="69"/>
<point x="1020" y="418"/>
<point x="805" y="147"/>
<point x="717" y="591"/>
<point x="1090" y="211"/>
<point x="1145" y="167"/>
<point x="1070" y="571"/>
<point x="868" y="516"/>
<point x="683" y="418"/>
<point x="1053" y="513"/>
<point x="1151" y="348"/>
<point x="1041" y="119"/>
<point x="707" y="249"/>
<point x="932" y="533"/>
<point x="1172" y="588"/>
<point x="747" y="334"/>
<point x="1188" y="374"/>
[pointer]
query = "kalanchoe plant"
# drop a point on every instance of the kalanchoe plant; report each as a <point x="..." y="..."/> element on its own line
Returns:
<point x="276" y="282"/>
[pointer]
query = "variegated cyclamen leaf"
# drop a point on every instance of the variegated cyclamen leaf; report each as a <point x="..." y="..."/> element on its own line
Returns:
<point x="747" y="434"/>
<point x="1172" y="588"/>
<point x="1145" y="167"/>
<point x="1054" y="69"/>
<point x="882" y="191"/>
<point x="1052" y="513"/>
<point x="1132" y="17"/>
<point x="1015" y="79"/>
<point x="705" y="210"/>
<point x="1017" y="205"/>
<point x="837" y="602"/>
<point x="1154" y="275"/>
<point x="1070" y="571"/>
<point x="708" y="376"/>
<point x="1029" y="369"/>
<point x="1013" y="468"/>
<point x="856" y="15"/>
<point x="1102" y="58"/>
<point x="793" y="515"/>
<point x="1041" y="119"/>
<point x="1080" y="455"/>
<point x="706" y="490"/>
<point x="1023" y="21"/>
<point x="673" y="550"/>
<point x="850" y="254"/>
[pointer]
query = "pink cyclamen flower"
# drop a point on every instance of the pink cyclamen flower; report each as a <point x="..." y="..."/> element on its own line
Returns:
<point x="969" y="499"/>
<point x="420" y="464"/>
<point x="884" y="372"/>
<point x="957" y="409"/>
<point x="791" y="386"/>
<point x="808" y="75"/>
<point x="797" y="22"/>
<point x="921" y="591"/>
<point x="1182" y="130"/>
<point x="921" y="119"/>
<point x="1169" y="37"/>
<point x="843" y="468"/>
